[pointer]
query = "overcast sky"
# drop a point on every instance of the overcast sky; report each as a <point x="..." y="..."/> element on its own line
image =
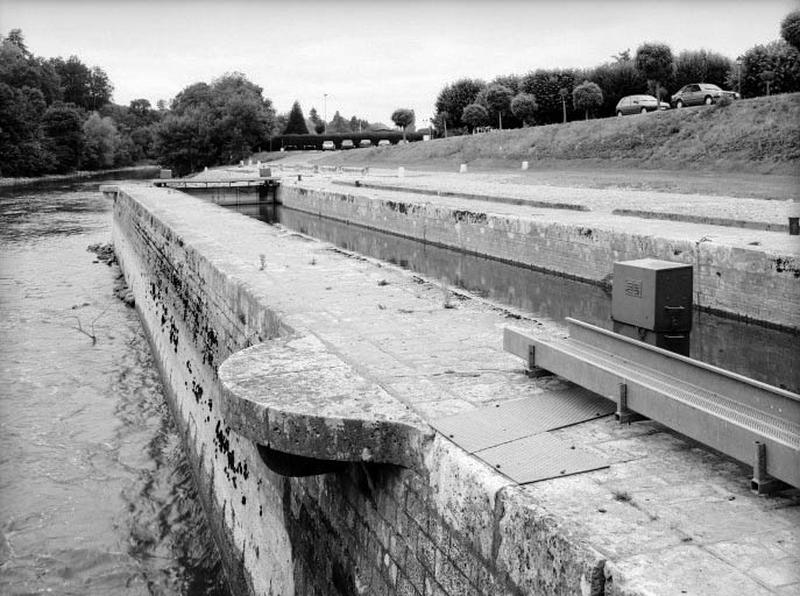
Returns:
<point x="369" y="57"/>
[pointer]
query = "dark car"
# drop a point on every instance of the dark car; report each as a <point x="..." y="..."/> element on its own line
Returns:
<point x="697" y="94"/>
<point x="639" y="104"/>
<point x="347" y="144"/>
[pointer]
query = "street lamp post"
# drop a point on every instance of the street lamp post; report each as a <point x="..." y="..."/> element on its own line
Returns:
<point x="325" y="108"/>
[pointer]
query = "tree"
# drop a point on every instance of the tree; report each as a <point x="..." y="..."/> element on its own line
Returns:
<point x="297" y="122"/>
<point x="475" y="115"/>
<point x="100" y="89"/>
<point x="622" y="57"/>
<point x="655" y="62"/>
<point x="616" y="80"/>
<point x="767" y="76"/>
<point x="790" y="29"/>
<point x="586" y="96"/>
<point x="213" y="124"/>
<point x="101" y="142"/>
<point x="75" y="80"/>
<point x="777" y="57"/>
<point x="62" y="125"/>
<point x="499" y="99"/>
<point x="403" y="117"/>
<point x="339" y="124"/>
<point x="546" y="86"/>
<point x="316" y="121"/>
<point x="524" y="107"/>
<point x="701" y="67"/>
<point x="564" y="93"/>
<point x="19" y="68"/>
<point x="453" y="98"/>
<point x="21" y="149"/>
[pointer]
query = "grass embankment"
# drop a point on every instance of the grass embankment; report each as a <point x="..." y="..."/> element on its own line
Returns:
<point x="760" y="135"/>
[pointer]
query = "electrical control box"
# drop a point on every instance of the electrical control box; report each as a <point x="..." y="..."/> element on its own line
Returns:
<point x="653" y="295"/>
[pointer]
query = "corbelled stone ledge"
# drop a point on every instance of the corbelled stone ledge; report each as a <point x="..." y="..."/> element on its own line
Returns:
<point x="294" y="397"/>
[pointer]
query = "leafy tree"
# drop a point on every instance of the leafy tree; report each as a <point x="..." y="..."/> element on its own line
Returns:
<point x="655" y="62"/>
<point x="62" y="125"/>
<point x="499" y="99"/>
<point x="403" y="118"/>
<point x="790" y="29"/>
<point x="297" y="122"/>
<point x="701" y="67"/>
<point x="586" y="96"/>
<point x="622" y="57"/>
<point x="475" y="115"/>
<point x="316" y="121"/>
<point x="546" y="86"/>
<point x="564" y="93"/>
<point x="19" y="68"/>
<point x="21" y="150"/>
<point x="616" y="79"/>
<point x="213" y="124"/>
<point x="777" y="57"/>
<point x="76" y="81"/>
<point x="524" y="107"/>
<point x="184" y="142"/>
<point x="453" y="98"/>
<point x="100" y="88"/>
<point x="339" y="124"/>
<point x="101" y="142"/>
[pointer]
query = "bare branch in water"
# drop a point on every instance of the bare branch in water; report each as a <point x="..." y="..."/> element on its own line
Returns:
<point x="93" y="334"/>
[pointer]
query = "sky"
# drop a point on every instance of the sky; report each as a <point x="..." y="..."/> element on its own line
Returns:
<point x="367" y="58"/>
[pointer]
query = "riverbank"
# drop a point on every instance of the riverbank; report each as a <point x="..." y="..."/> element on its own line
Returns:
<point x="129" y="172"/>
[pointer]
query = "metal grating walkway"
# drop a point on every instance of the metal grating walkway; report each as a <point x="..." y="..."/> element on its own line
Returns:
<point x="512" y="436"/>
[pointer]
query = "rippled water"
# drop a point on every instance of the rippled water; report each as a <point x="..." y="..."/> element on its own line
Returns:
<point x="96" y="495"/>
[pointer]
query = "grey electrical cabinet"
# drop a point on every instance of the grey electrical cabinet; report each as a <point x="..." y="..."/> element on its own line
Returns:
<point x="653" y="295"/>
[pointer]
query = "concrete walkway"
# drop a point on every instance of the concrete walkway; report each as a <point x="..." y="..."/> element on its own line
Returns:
<point x="670" y="516"/>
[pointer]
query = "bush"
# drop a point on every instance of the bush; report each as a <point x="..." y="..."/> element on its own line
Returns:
<point x="310" y="141"/>
<point x="724" y="101"/>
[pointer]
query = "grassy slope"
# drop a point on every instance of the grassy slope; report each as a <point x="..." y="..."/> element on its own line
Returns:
<point x="759" y="135"/>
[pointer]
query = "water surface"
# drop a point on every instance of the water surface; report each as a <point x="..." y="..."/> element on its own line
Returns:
<point x="96" y="495"/>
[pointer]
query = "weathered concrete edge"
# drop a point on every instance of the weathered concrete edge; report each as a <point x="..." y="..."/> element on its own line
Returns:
<point x="468" y="196"/>
<point x="700" y="253"/>
<point x="506" y="524"/>
<point x="703" y="219"/>
<point x="322" y="411"/>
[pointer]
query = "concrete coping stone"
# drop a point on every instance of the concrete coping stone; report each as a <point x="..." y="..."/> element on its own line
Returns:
<point x="294" y="396"/>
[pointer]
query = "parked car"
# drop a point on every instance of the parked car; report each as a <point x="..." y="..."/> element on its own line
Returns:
<point x="697" y="94"/>
<point x="365" y="143"/>
<point x="347" y="144"/>
<point x="639" y="104"/>
<point x="328" y="146"/>
<point x="384" y="143"/>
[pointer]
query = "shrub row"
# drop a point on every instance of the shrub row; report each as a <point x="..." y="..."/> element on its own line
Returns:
<point x="315" y="141"/>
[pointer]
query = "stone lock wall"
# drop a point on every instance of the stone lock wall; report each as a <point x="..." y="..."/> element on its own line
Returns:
<point x="746" y="283"/>
<point x="444" y="526"/>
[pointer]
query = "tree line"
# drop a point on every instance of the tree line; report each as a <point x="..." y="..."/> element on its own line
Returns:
<point x="56" y="115"/>
<point x="547" y="96"/>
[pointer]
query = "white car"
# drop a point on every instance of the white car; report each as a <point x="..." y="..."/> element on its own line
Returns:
<point x="384" y="143"/>
<point x="328" y="146"/>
